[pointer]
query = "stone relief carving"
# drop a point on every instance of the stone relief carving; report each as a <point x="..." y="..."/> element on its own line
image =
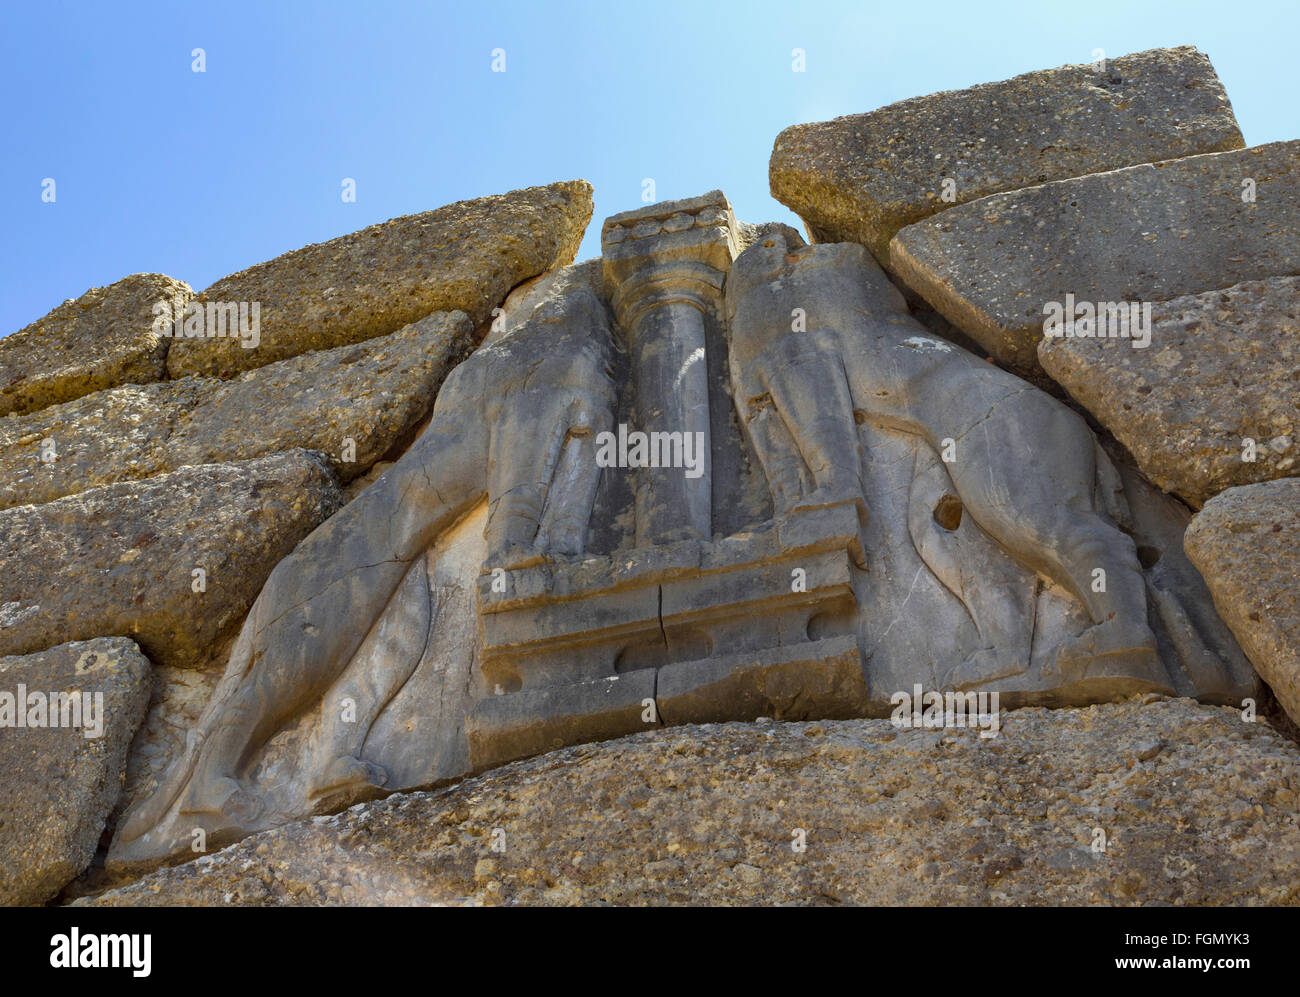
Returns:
<point x="1022" y="465"/>
<point x="498" y="592"/>
<point x="515" y="422"/>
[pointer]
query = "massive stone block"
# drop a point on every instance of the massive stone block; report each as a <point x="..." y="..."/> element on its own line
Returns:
<point x="1213" y="402"/>
<point x="373" y="393"/>
<point x="119" y="434"/>
<point x="862" y="177"/>
<point x="102" y="339"/>
<point x="58" y="781"/>
<point x="994" y="267"/>
<point x="462" y="257"/>
<point x="705" y="815"/>
<point x="120" y="560"/>
<point x="1246" y="542"/>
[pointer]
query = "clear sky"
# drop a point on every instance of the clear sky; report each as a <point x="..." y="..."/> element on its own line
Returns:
<point x="196" y="175"/>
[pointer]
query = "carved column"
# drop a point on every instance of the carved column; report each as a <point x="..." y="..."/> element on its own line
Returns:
<point x="664" y="271"/>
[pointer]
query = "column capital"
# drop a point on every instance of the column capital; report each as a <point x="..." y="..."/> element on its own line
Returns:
<point x="675" y="247"/>
<point x="675" y="282"/>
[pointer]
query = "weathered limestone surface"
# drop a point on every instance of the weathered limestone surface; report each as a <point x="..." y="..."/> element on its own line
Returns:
<point x="596" y="605"/>
<point x="708" y="815"/>
<point x="102" y="339"/>
<point x="356" y="608"/>
<point x="119" y="434"/>
<point x="359" y="484"/>
<point x="177" y="697"/>
<point x="1210" y="664"/>
<point x="118" y="560"/>
<point x="698" y="510"/>
<point x="1144" y="233"/>
<point x="664" y="268"/>
<point x="414" y="679"/>
<point x="994" y="551"/>
<point x="462" y="257"/>
<point x="702" y="631"/>
<point x="862" y="177"/>
<point x="1246" y="542"/>
<point x="373" y="393"/>
<point x="1223" y="367"/>
<point x="521" y="302"/>
<point x="57" y="785"/>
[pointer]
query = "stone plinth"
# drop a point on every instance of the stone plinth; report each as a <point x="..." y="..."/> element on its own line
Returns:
<point x="685" y="633"/>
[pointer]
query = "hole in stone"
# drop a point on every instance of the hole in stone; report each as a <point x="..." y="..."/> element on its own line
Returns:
<point x="684" y="644"/>
<point x="947" y="512"/>
<point x="836" y="622"/>
<point x="1148" y="556"/>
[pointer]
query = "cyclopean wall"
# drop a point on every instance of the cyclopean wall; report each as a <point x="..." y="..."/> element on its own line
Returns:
<point x="436" y="587"/>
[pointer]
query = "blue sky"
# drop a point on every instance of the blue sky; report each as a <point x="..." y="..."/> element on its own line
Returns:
<point x="196" y="175"/>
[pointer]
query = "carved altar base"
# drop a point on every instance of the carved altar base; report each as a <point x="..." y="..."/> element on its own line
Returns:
<point x="759" y="624"/>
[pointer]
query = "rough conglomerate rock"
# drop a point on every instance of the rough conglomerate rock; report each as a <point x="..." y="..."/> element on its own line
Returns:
<point x="372" y="393"/>
<point x="57" y="785"/>
<point x="862" y="177"/>
<point x="1140" y="234"/>
<point x="462" y="257"/>
<point x="120" y="560"/>
<point x="102" y="339"/>
<point x="1223" y="368"/>
<point x="1192" y="804"/>
<point x="1246" y="542"/>
<point x="119" y="434"/>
